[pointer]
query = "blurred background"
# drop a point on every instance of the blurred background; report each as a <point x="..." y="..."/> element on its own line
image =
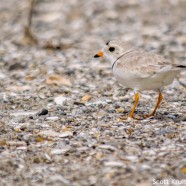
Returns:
<point x="155" y="24"/>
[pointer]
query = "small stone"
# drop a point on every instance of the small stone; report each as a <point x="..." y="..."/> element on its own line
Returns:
<point x="23" y="113"/>
<point x="108" y="100"/>
<point x="132" y="158"/>
<point x="30" y="77"/>
<point x="58" y="80"/>
<point x="59" y="151"/>
<point x="97" y="103"/>
<point x="16" y="143"/>
<point x="16" y="66"/>
<point x="59" y="179"/>
<point x="70" y="119"/>
<point x="19" y="88"/>
<point x="183" y="170"/>
<point x="59" y="100"/>
<point x="54" y="118"/>
<point x="22" y="148"/>
<point x="66" y="134"/>
<point x="2" y="76"/>
<point x="99" y="155"/>
<point x="107" y="147"/>
<point x="114" y="164"/>
<point x="66" y="128"/>
<point x="86" y="98"/>
<point x="48" y="134"/>
<point x="43" y="112"/>
<point x="120" y="110"/>
<point x="111" y="14"/>
<point x="17" y="129"/>
<point x="130" y="131"/>
<point x="2" y="142"/>
<point x="101" y="113"/>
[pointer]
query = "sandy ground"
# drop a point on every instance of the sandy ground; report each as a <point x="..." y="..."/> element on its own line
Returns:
<point x="61" y="119"/>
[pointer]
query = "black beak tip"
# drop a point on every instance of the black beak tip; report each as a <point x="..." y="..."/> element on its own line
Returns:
<point x="96" y="56"/>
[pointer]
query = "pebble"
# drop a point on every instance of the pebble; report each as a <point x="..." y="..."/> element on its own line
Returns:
<point x="59" y="179"/>
<point x="96" y="103"/>
<point x="16" y="143"/>
<point x="48" y="133"/>
<point x="65" y="134"/>
<point x="54" y="118"/>
<point x="23" y="113"/>
<point x="60" y="100"/>
<point x="107" y="147"/>
<point x="114" y="164"/>
<point x="16" y="66"/>
<point x="2" y="76"/>
<point x="22" y="148"/>
<point x="132" y="158"/>
<point x="43" y="112"/>
<point x="59" y="151"/>
<point x="86" y="98"/>
<point x="120" y="110"/>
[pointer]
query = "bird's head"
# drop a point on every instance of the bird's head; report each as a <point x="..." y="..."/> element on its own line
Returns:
<point x="113" y="50"/>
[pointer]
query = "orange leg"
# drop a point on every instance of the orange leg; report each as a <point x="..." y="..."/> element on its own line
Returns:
<point x="134" y="107"/>
<point x="157" y="105"/>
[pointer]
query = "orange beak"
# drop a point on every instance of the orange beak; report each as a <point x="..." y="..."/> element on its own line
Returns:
<point x="99" y="54"/>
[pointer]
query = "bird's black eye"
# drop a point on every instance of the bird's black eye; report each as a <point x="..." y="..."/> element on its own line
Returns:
<point x="111" y="49"/>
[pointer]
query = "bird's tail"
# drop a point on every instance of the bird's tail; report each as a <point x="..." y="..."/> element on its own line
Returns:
<point x="183" y="67"/>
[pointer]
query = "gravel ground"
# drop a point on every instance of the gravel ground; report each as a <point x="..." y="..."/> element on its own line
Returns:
<point x="62" y="111"/>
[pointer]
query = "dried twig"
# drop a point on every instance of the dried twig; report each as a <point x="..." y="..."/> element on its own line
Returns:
<point x="29" y="37"/>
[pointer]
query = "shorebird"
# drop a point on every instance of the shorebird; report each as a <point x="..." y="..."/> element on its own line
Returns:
<point x="139" y="70"/>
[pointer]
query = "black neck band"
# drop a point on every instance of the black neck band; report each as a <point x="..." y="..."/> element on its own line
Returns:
<point x="120" y="57"/>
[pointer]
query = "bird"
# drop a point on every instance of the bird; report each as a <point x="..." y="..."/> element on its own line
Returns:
<point x="139" y="70"/>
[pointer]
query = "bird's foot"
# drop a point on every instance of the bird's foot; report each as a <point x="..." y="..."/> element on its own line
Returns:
<point x="145" y="116"/>
<point x="141" y="117"/>
<point x="135" y="117"/>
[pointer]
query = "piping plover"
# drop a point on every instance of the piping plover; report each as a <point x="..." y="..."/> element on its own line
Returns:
<point x="139" y="70"/>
